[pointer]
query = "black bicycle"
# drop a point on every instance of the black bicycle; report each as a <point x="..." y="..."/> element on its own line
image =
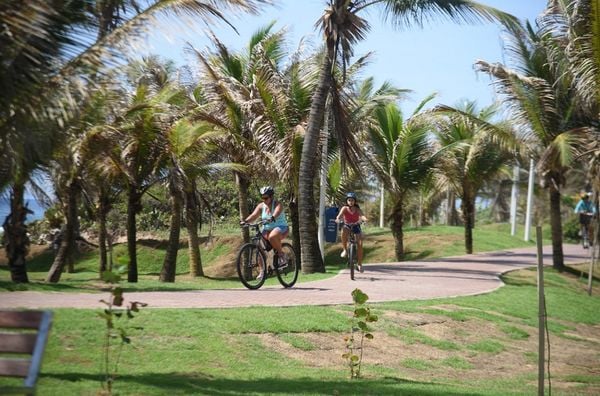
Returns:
<point x="352" y="251"/>
<point x="252" y="267"/>
<point x="585" y="220"/>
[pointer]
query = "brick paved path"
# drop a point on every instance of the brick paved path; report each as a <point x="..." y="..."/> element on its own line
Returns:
<point x="409" y="280"/>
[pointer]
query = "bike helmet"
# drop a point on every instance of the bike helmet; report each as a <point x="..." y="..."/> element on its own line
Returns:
<point x="267" y="190"/>
<point x="351" y="195"/>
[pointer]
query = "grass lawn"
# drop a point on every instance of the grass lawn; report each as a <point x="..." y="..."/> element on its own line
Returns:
<point x="477" y="345"/>
<point x="218" y="259"/>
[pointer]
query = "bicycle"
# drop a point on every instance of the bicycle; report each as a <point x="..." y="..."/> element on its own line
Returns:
<point x="352" y="251"/>
<point x="251" y="263"/>
<point x="585" y="222"/>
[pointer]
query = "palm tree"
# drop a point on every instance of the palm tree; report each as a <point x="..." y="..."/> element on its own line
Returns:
<point x="575" y="26"/>
<point x="43" y="54"/>
<point x="343" y="28"/>
<point x="230" y="91"/>
<point x="475" y="149"/>
<point x="542" y="101"/>
<point x="401" y="156"/>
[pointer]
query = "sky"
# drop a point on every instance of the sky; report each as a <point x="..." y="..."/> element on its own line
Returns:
<point x="436" y="58"/>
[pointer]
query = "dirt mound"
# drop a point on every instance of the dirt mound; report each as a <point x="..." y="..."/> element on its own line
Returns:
<point x="34" y="250"/>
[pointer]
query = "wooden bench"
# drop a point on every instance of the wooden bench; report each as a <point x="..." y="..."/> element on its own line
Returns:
<point x="23" y="334"/>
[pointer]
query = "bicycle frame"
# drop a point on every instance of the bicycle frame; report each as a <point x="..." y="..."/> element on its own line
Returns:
<point x="352" y="247"/>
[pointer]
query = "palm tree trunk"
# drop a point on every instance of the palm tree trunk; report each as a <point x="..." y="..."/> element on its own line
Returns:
<point x="243" y="183"/>
<point x="133" y="202"/>
<point x="294" y="218"/>
<point x="102" y="214"/>
<point x="192" y="220"/>
<point x="468" y="214"/>
<point x="67" y="247"/>
<point x="15" y="235"/>
<point x="167" y="274"/>
<point x="556" y="227"/>
<point x="311" y="255"/>
<point x="452" y="216"/>
<point x="397" y="224"/>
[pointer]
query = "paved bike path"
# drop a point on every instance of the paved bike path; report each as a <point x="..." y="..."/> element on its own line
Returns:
<point x="408" y="280"/>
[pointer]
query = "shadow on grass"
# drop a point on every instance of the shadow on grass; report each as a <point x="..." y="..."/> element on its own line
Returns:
<point x="579" y="273"/>
<point x="166" y="383"/>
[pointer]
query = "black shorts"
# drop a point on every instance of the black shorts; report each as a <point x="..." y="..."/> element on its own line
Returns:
<point x="584" y="219"/>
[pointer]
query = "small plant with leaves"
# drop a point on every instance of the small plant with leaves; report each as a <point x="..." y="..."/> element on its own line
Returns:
<point x="116" y="336"/>
<point x="360" y="331"/>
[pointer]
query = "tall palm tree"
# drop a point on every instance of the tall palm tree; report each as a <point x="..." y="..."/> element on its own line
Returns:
<point x="475" y="149"/>
<point x="539" y="91"/>
<point x="343" y="27"/>
<point x="575" y="24"/>
<point x="400" y="154"/>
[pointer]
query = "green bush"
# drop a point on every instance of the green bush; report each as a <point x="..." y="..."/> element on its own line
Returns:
<point x="571" y="230"/>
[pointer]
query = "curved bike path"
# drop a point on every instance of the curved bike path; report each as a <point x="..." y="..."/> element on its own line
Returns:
<point x="408" y="280"/>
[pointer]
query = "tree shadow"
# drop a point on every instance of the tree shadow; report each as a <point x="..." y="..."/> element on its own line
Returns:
<point x="174" y="383"/>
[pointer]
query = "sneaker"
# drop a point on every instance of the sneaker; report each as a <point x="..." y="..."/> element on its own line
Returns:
<point x="361" y="269"/>
<point x="282" y="262"/>
<point x="344" y="253"/>
<point x="260" y="276"/>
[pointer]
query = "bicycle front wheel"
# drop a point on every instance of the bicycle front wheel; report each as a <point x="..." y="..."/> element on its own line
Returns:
<point x="251" y="266"/>
<point x="288" y="275"/>
<point x="351" y="259"/>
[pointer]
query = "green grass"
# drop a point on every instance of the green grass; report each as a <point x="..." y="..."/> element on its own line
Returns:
<point x="225" y="352"/>
<point x="297" y="342"/>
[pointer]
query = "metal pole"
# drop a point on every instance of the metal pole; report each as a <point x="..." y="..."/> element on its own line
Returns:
<point x="529" y="200"/>
<point x="541" y="312"/>
<point x="513" y="201"/>
<point x="381" y="207"/>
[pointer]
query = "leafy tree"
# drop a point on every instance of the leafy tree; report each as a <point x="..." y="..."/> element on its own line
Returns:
<point x="475" y="149"/>
<point x="44" y="63"/>
<point x="401" y="157"/>
<point x="539" y="92"/>
<point x="343" y="27"/>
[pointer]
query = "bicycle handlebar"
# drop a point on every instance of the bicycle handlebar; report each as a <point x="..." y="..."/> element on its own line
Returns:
<point x="257" y="224"/>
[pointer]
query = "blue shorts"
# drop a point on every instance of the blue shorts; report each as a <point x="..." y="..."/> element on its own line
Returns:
<point x="282" y="229"/>
<point x="354" y="228"/>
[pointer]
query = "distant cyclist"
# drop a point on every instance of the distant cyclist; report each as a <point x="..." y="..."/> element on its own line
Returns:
<point x="351" y="214"/>
<point x="276" y="226"/>
<point x="586" y="210"/>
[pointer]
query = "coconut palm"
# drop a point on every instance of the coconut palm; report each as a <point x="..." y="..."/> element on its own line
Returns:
<point x="475" y="149"/>
<point x="575" y="26"/>
<point x="229" y="90"/>
<point x="343" y="27"/>
<point x="42" y="58"/>
<point x="400" y="154"/>
<point x="538" y="90"/>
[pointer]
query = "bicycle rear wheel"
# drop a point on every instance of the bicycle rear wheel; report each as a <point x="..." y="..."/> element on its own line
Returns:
<point x="288" y="275"/>
<point x="251" y="266"/>
<point x="351" y="259"/>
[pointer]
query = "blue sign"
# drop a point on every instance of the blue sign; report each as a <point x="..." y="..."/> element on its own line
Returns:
<point x="330" y="224"/>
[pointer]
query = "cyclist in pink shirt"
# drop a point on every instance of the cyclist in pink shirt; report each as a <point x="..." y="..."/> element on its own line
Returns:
<point x="352" y="217"/>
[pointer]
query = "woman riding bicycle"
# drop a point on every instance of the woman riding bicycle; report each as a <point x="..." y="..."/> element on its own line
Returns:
<point x="276" y="226"/>
<point x="586" y="209"/>
<point x="352" y="216"/>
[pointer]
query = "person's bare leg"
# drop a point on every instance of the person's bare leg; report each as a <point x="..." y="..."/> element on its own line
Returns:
<point x="275" y="238"/>
<point x="345" y="232"/>
<point x="359" y="243"/>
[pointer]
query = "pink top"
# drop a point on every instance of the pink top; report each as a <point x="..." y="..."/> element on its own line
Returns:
<point x="350" y="217"/>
